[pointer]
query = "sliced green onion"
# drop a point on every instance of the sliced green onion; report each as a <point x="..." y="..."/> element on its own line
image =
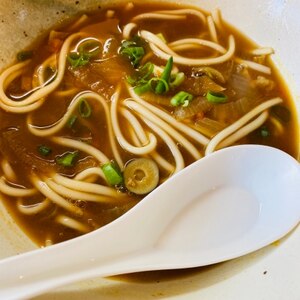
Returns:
<point x="133" y="49"/>
<point x="142" y="75"/>
<point x="44" y="150"/>
<point x="146" y="71"/>
<point x="71" y="121"/>
<point x="142" y="88"/>
<point x="165" y="76"/>
<point x="264" y="131"/>
<point x="215" y="97"/>
<point x="89" y="48"/>
<point x="68" y="159"/>
<point x="112" y="173"/>
<point x="176" y="79"/>
<point x="155" y="82"/>
<point x="78" y="59"/>
<point x="86" y="51"/>
<point x="24" y="55"/>
<point x="84" y="109"/>
<point x="135" y="54"/>
<point x="127" y="44"/>
<point x="182" y="98"/>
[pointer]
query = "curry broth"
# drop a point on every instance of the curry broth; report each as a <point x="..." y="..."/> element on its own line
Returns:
<point x="93" y="131"/>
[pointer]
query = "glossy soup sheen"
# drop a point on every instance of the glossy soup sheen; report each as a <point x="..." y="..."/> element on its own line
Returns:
<point x="19" y="146"/>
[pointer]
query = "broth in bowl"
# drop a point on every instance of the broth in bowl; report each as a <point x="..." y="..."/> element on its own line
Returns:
<point x="107" y="108"/>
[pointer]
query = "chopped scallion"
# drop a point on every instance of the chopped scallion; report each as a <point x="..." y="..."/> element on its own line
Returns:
<point x="140" y="89"/>
<point x="181" y="99"/>
<point x="133" y="49"/>
<point x="78" y="59"/>
<point x="112" y="173"/>
<point x="90" y="48"/>
<point x="165" y="77"/>
<point x="264" y="131"/>
<point x="84" y="109"/>
<point x="68" y="159"/>
<point x="215" y="97"/>
<point x="159" y="82"/>
<point x="176" y="79"/>
<point x="86" y="51"/>
<point x="44" y="150"/>
<point x="134" y="54"/>
<point x="71" y="121"/>
<point x="142" y="75"/>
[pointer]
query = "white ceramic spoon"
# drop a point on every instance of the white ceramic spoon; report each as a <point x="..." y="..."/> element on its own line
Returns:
<point x="228" y="204"/>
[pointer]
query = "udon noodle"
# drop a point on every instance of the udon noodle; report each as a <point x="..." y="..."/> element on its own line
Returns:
<point x="136" y="90"/>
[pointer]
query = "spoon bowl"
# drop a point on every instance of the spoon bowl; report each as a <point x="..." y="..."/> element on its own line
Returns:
<point x="223" y="206"/>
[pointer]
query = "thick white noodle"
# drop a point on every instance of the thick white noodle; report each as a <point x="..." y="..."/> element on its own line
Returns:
<point x="157" y="157"/>
<point x="15" y="191"/>
<point x="212" y="29"/>
<point x="145" y="148"/>
<point x="139" y="137"/>
<point x="147" y="114"/>
<point x="100" y="156"/>
<point x="76" y="195"/>
<point x="127" y="29"/>
<point x="184" y="11"/>
<point x="262" y="51"/>
<point x="178" y="158"/>
<point x="217" y="17"/>
<point x="8" y="171"/>
<point x="256" y="123"/>
<point x="154" y="39"/>
<point x="71" y="223"/>
<point x="85" y="187"/>
<point x="43" y="90"/>
<point x="197" y="61"/>
<point x="191" y="42"/>
<point x="254" y="66"/>
<point x="239" y="123"/>
<point x="198" y="137"/>
<point x="60" y="124"/>
<point x="65" y="93"/>
<point x="33" y="208"/>
<point x="53" y="196"/>
<point x="159" y="16"/>
<point x="90" y="172"/>
<point x="8" y="76"/>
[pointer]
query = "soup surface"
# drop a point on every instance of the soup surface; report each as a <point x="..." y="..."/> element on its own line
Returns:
<point x="107" y="108"/>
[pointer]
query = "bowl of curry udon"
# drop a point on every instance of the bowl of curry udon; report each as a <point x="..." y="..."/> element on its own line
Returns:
<point x="99" y="105"/>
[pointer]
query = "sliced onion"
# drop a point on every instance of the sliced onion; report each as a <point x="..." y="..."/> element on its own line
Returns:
<point x="241" y="85"/>
<point x="231" y="111"/>
<point x="158" y="99"/>
<point x="198" y="105"/>
<point x="209" y="127"/>
<point x="210" y="72"/>
<point x="201" y="85"/>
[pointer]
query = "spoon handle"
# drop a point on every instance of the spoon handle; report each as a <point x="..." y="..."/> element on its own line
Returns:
<point x="32" y="273"/>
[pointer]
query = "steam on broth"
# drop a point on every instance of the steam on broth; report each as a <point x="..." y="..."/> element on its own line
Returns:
<point x="109" y="107"/>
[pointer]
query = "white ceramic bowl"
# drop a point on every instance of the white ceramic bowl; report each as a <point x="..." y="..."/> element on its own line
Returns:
<point x="271" y="273"/>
